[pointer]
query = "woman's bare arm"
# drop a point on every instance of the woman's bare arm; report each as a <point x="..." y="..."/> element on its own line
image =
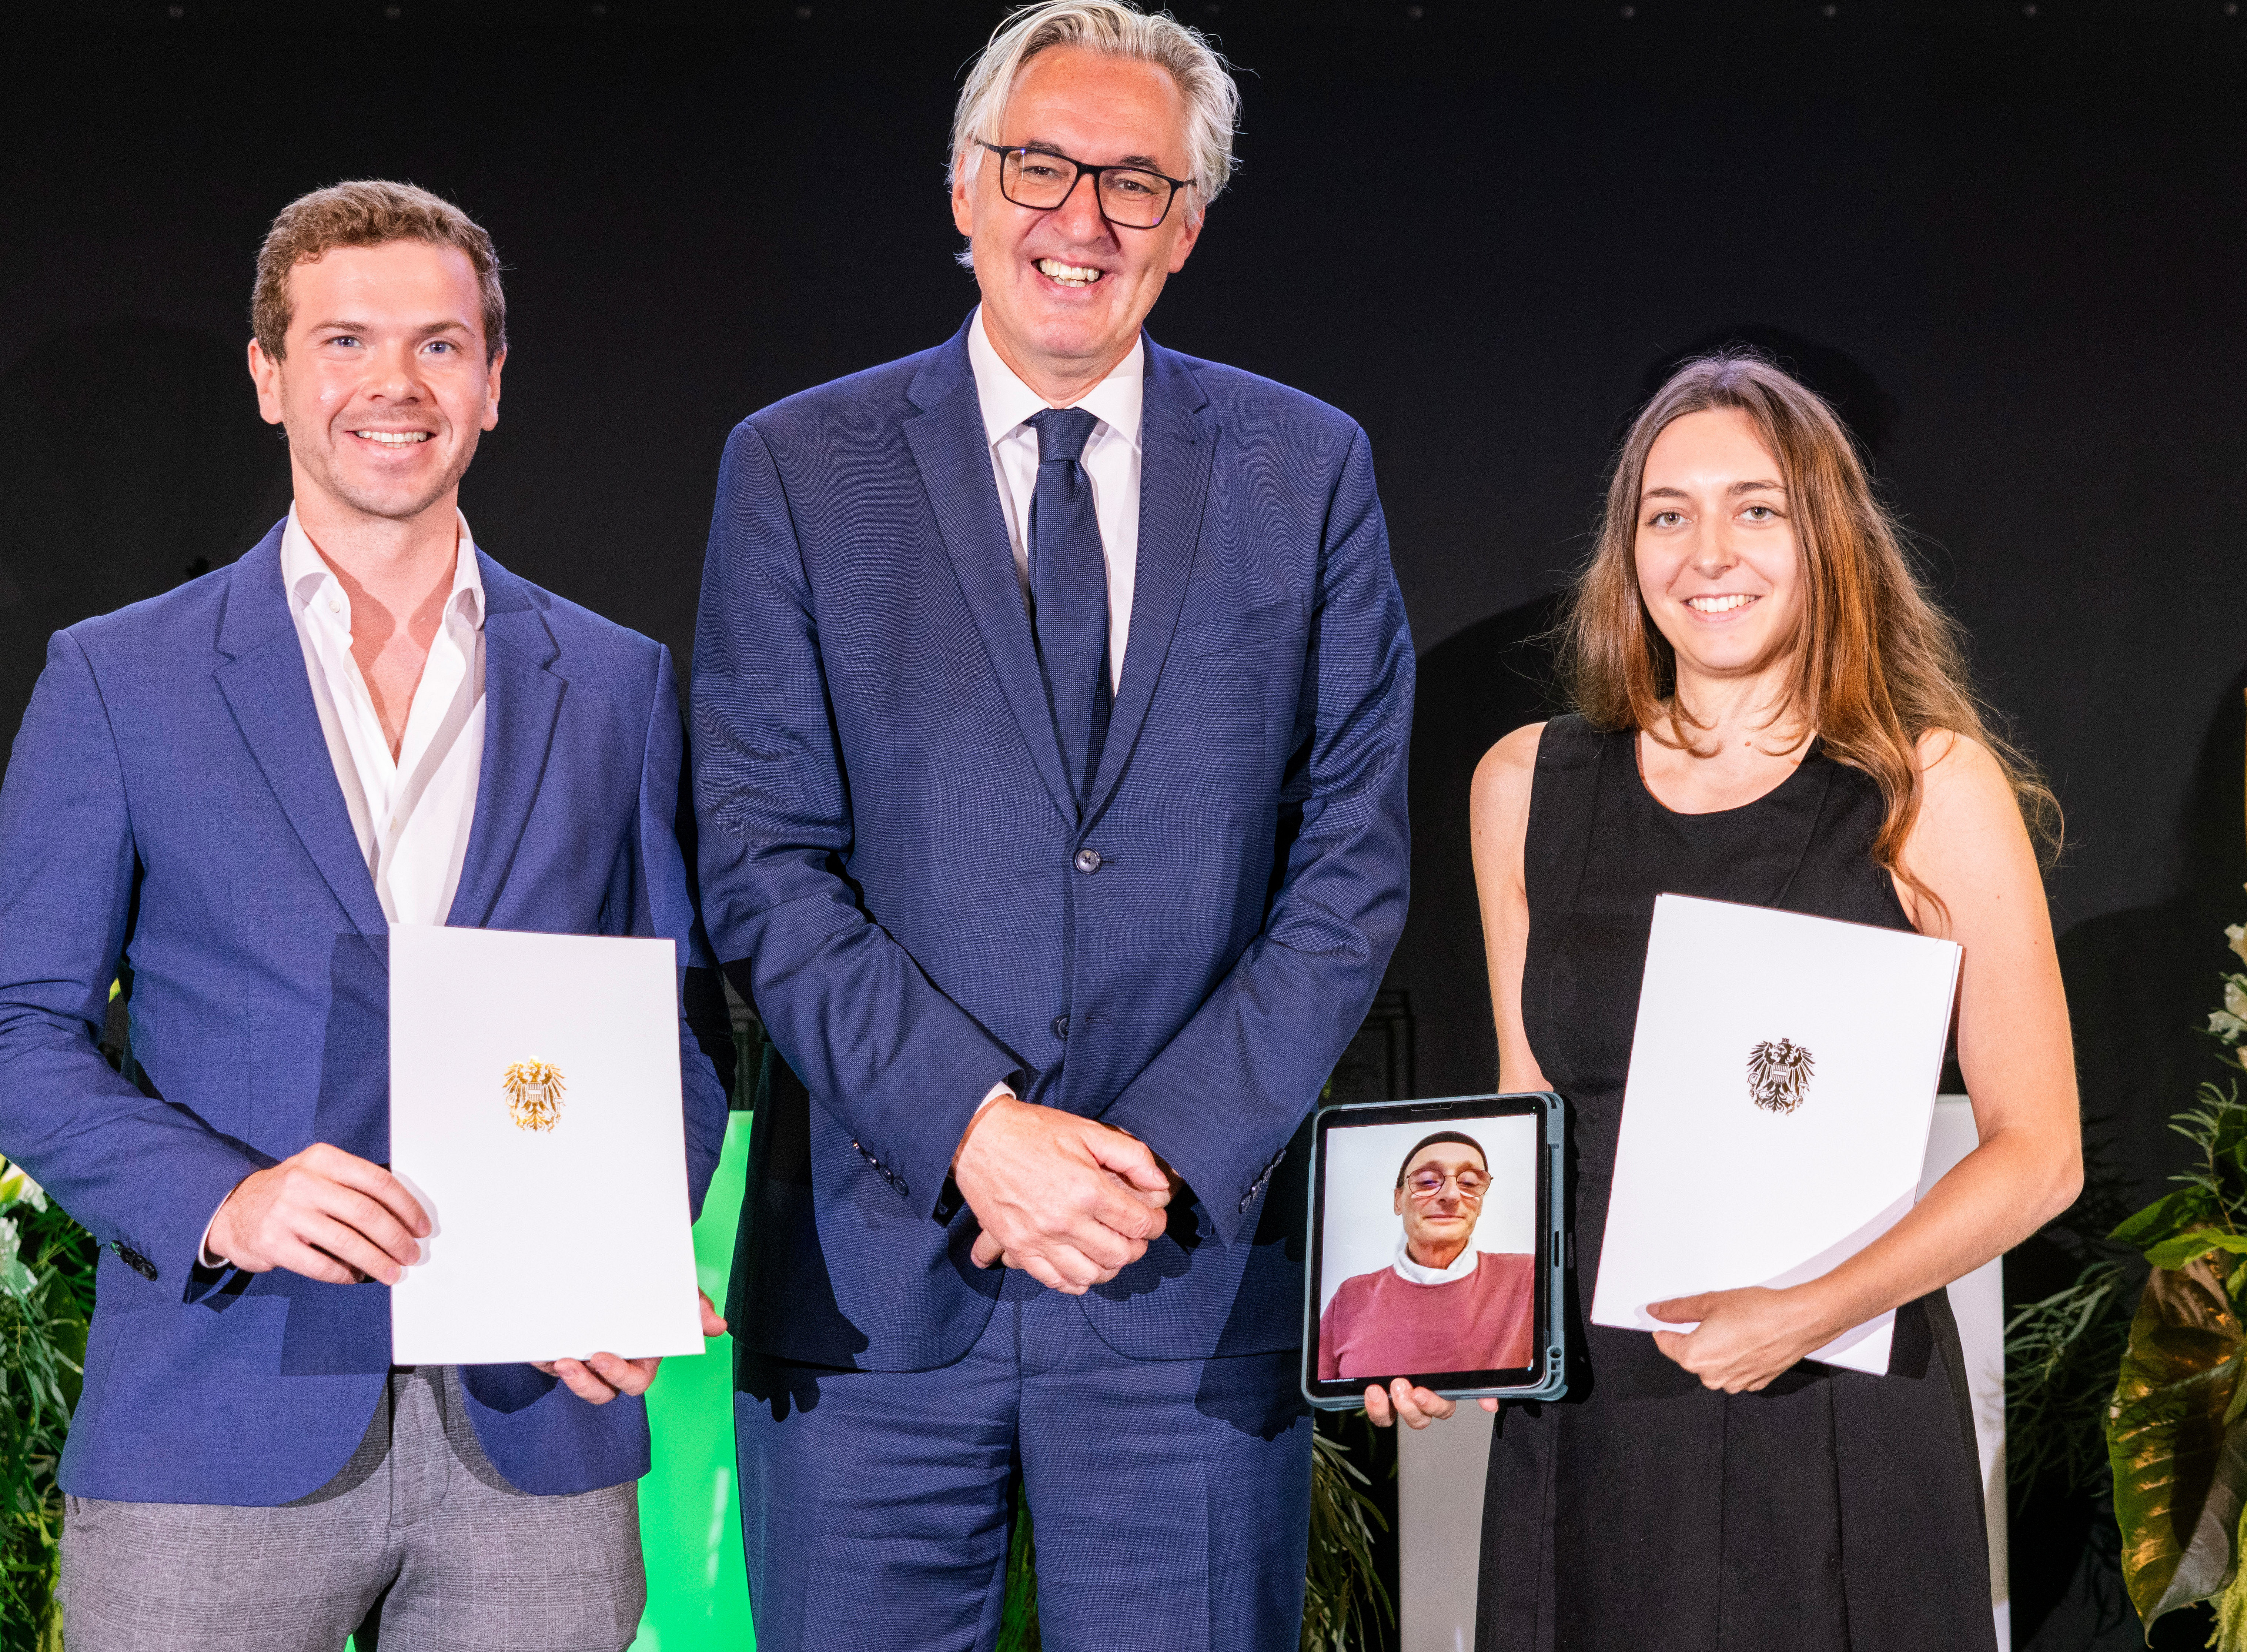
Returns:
<point x="1499" y="823"/>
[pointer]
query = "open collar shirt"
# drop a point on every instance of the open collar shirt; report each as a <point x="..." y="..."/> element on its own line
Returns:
<point x="411" y="811"/>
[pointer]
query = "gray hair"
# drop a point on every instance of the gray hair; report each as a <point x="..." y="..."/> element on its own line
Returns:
<point x="1115" y="28"/>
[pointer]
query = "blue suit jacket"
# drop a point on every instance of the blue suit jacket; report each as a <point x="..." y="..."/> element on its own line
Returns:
<point x="171" y="801"/>
<point x="888" y="840"/>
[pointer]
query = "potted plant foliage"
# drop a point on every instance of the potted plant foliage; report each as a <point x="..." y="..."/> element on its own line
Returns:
<point x="46" y="1296"/>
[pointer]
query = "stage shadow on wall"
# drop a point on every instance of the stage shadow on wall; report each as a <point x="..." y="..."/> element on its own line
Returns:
<point x="2140" y="981"/>
<point x="2140" y="984"/>
<point x="131" y="457"/>
<point x="1475" y="688"/>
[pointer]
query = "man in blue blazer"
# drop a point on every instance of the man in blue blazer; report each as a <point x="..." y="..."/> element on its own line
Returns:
<point x="234" y="791"/>
<point x="1050" y="706"/>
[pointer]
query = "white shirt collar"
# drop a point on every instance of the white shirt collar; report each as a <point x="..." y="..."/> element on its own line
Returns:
<point x="1007" y="401"/>
<point x="303" y="570"/>
<point x="1413" y="1272"/>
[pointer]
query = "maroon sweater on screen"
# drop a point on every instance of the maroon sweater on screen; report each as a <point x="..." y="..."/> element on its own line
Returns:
<point x="1381" y="1324"/>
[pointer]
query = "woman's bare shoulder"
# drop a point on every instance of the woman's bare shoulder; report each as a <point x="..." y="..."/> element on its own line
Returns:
<point x="1970" y="828"/>
<point x="1959" y="773"/>
<point x="1503" y="778"/>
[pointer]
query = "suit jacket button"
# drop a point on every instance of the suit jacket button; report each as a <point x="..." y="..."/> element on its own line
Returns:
<point x="1087" y="861"/>
<point x="1060" y="1027"/>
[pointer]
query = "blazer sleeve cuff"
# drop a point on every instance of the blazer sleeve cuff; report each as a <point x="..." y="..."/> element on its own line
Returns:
<point x="163" y="1240"/>
<point x="1229" y="1182"/>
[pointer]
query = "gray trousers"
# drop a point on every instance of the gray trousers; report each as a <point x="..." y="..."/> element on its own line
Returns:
<point x="418" y="1545"/>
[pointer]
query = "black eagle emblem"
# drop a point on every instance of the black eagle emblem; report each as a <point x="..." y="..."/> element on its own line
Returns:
<point x="1779" y="1075"/>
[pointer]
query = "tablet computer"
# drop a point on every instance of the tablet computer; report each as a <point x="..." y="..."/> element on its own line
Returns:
<point x="1436" y="1249"/>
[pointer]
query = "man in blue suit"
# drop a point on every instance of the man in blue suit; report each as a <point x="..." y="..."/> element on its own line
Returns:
<point x="235" y="791"/>
<point x="1050" y="706"/>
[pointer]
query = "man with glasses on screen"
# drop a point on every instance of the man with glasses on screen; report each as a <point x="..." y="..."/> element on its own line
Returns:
<point x="1051" y="698"/>
<point x="1442" y="1305"/>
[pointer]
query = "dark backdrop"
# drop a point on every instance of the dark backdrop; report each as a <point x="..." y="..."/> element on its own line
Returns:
<point x="2011" y="239"/>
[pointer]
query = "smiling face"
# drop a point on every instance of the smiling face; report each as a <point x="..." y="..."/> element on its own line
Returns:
<point x="1064" y="291"/>
<point x="1718" y="562"/>
<point x="384" y="387"/>
<point x="1438" y="1223"/>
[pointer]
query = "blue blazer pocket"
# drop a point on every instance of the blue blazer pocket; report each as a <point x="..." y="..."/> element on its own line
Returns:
<point x="1245" y="629"/>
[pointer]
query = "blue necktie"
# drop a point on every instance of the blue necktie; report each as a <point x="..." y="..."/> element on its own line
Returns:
<point x="1068" y="592"/>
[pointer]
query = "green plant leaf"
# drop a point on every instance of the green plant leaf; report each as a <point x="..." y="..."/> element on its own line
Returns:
<point x="16" y="1187"/>
<point x="2166" y="1217"/>
<point x="1343" y="1596"/>
<point x="2180" y="1474"/>
<point x="2194" y="1243"/>
<point x="1018" y="1621"/>
<point x="2229" y="1634"/>
<point x="2061" y="1356"/>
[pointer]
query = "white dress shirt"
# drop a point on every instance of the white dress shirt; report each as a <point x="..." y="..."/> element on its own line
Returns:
<point x="410" y="812"/>
<point x="1110" y="461"/>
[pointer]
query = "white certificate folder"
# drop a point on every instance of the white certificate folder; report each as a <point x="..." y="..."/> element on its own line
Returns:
<point x="534" y="1111"/>
<point x="1775" y="1119"/>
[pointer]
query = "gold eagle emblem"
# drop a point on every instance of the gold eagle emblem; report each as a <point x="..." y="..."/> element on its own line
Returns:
<point x="533" y="1094"/>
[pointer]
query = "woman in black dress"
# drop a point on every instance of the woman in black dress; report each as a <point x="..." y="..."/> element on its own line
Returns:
<point x="1770" y="710"/>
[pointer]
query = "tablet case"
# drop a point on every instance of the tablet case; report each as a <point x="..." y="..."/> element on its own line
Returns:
<point x="1552" y="1241"/>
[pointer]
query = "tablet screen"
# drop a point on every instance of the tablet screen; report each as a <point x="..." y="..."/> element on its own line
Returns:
<point x="1426" y="1256"/>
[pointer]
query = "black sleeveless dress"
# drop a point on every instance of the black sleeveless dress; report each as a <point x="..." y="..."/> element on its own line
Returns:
<point x="1834" y="1512"/>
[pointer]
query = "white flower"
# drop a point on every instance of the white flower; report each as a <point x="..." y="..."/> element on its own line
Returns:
<point x="17" y="1188"/>
<point x="2234" y="998"/>
<point x="2226" y="1026"/>
<point x="2236" y="934"/>
<point x="15" y="1278"/>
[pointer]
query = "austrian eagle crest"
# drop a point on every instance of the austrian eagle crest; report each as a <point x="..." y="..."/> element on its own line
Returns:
<point x="534" y="1094"/>
<point x="1778" y="1074"/>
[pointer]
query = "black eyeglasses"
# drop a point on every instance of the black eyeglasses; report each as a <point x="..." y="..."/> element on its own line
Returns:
<point x="1129" y="197"/>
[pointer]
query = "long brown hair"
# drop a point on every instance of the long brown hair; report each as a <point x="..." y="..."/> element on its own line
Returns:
<point x="1877" y="662"/>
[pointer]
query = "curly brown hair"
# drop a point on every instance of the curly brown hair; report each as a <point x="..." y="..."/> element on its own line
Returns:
<point x="367" y="212"/>
<point x="1878" y="662"/>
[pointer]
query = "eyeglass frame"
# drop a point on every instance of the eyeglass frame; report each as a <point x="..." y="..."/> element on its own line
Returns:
<point x="1002" y="150"/>
<point x="1451" y="1180"/>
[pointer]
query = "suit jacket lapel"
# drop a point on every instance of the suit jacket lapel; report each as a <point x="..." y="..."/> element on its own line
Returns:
<point x="269" y="690"/>
<point x="522" y="701"/>
<point x="1177" y="446"/>
<point x="947" y="442"/>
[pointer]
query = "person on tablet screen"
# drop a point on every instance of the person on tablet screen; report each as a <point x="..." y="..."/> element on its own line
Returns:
<point x="1442" y="1305"/>
<point x="1772" y="710"/>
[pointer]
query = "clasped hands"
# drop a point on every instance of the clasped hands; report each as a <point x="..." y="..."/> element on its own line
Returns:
<point x="1070" y="1201"/>
<point x="1744" y="1339"/>
<point x="335" y="1216"/>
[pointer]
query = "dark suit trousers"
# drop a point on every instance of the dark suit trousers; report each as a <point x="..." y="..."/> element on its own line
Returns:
<point x="1171" y="1498"/>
